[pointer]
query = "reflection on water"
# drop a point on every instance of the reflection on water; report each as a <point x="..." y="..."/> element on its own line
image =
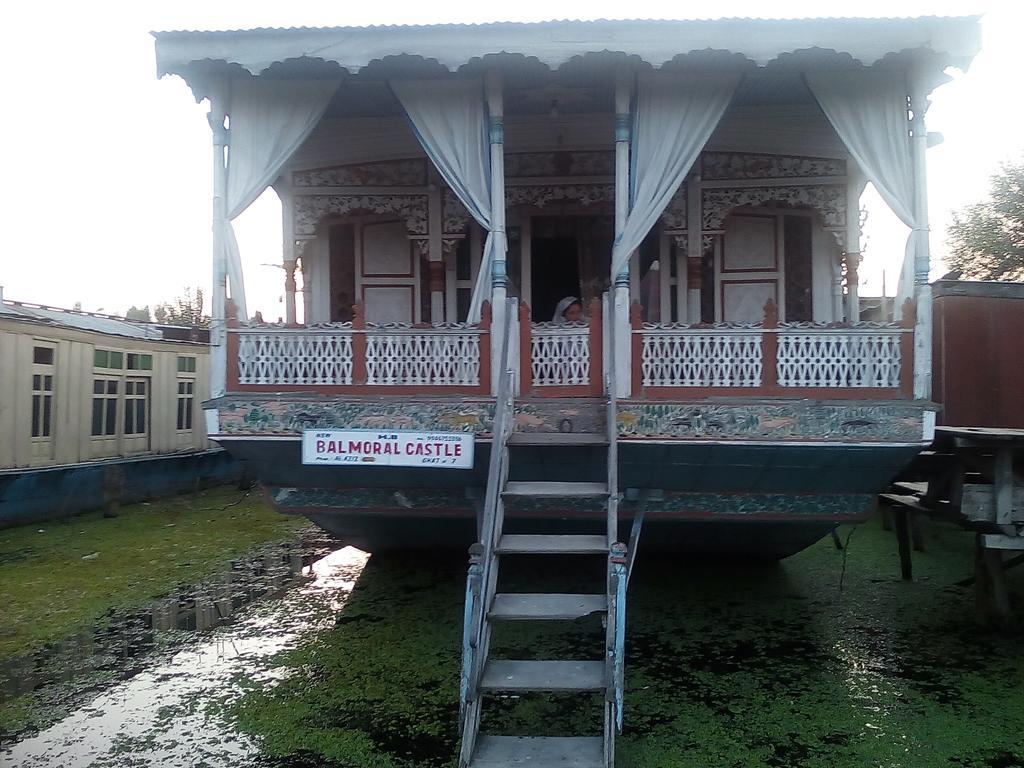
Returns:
<point x="162" y="715"/>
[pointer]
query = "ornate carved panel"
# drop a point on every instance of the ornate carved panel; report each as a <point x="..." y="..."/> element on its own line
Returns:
<point x="539" y="195"/>
<point x="392" y="173"/>
<point x="741" y="165"/>
<point x="560" y="164"/>
<point x="456" y="217"/>
<point x="311" y="209"/>
<point x="829" y="200"/>
<point x="674" y="217"/>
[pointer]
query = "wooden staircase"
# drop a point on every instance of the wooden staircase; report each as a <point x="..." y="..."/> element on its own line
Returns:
<point x="486" y="607"/>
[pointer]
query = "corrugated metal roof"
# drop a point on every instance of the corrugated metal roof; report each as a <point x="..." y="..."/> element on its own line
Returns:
<point x="489" y="24"/>
<point x="934" y="42"/>
<point x="84" y="321"/>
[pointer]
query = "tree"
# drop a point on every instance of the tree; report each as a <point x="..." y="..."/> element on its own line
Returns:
<point x="186" y="309"/>
<point x="138" y="314"/>
<point x="986" y="240"/>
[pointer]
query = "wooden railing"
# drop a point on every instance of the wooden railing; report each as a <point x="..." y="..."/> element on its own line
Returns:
<point x="357" y="358"/>
<point x="863" y="361"/>
<point x="561" y="360"/>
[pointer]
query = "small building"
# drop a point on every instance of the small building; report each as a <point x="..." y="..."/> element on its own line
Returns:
<point x="80" y="391"/>
<point x="79" y="386"/>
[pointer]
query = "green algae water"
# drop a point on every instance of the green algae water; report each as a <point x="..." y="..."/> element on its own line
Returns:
<point x="809" y="662"/>
<point x="824" y="659"/>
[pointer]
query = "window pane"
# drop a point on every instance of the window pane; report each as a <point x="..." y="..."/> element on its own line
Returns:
<point x="98" y="386"/>
<point x="189" y="387"/>
<point x="111" y="420"/>
<point x="129" y="387"/>
<point x="42" y="355"/>
<point x="147" y="363"/>
<point x="47" y="409"/>
<point x="181" y="413"/>
<point x="48" y="383"/>
<point x="111" y="387"/>
<point x="140" y="387"/>
<point x="191" y="365"/>
<point x="36" y="381"/>
<point x="133" y="361"/>
<point x="140" y="417"/>
<point x="35" y="416"/>
<point x="101" y="358"/>
<point x="97" y="416"/>
<point x="117" y="360"/>
<point x="188" y="414"/>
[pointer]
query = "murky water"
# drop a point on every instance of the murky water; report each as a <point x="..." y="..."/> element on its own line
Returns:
<point x="164" y="710"/>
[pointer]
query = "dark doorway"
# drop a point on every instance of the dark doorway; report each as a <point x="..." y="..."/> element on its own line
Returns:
<point x="555" y="274"/>
<point x="569" y="256"/>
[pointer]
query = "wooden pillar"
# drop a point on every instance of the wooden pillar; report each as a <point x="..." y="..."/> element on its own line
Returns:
<point x="525" y="349"/>
<point x="218" y="341"/>
<point x="636" y="343"/>
<point x="303" y="249"/>
<point x="289" y="293"/>
<point x="694" y="248"/>
<point x="486" y="335"/>
<point x="596" y="348"/>
<point x="922" y="254"/>
<point x="770" y="347"/>
<point x="619" y="344"/>
<point x="288" y="255"/>
<point x="435" y="247"/>
<point x="359" y="372"/>
<point x="499" y="271"/>
<point x="908" y="319"/>
<point x="854" y="185"/>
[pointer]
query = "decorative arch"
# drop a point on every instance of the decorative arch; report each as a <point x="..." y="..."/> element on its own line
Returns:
<point x="309" y="210"/>
<point x="827" y="200"/>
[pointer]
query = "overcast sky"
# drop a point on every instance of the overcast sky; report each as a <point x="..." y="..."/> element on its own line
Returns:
<point x="106" y="195"/>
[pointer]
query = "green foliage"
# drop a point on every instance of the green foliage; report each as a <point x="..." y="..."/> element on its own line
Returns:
<point x="986" y="239"/>
<point x="186" y="310"/>
<point x="48" y="590"/>
<point x="730" y="665"/>
<point x="138" y="314"/>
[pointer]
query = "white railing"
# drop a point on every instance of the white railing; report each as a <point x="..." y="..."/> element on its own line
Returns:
<point x="687" y="357"/>
<point x="560" y="354"/>
<point x="295" y="357"/>
<point x="425" y="357"/>
<point x="839" y="357"/>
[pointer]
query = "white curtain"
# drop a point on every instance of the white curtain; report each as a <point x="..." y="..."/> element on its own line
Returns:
<point x="269" y="119"/>
<point x="449" y="118"/>
<point x="673" y="119"/>
<point x="868" y="110"/>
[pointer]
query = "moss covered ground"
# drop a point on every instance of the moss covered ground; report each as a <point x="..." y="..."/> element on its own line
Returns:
<point x="61" y="576"/>
<point x="822" y="660"/>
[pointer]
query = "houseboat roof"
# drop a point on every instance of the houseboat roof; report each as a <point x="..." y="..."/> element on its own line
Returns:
<point x="784" y="44"/>
<point x="90" y="321"/>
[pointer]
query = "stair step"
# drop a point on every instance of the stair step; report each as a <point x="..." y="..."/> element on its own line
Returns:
<point x="557" y="438"/>
<point x="551" y="607"/>
<point x="556" y="490"/>
<point x="539" y="752"/>
<point x="538" y="544"/>
<point x="505" y="675"/>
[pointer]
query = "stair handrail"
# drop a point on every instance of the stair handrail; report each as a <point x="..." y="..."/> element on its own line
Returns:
<point x="479" y="584"/>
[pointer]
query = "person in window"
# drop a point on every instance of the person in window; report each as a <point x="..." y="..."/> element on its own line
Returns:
<point x="568" y="310"/>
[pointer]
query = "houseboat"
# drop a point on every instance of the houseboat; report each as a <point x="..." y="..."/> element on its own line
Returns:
<point x="96" y="408"/>
<point x="728" y="156"/>
<point x="561" y="277"/>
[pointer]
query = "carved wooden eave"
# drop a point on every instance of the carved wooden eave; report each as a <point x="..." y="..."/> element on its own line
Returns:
<point x="310" y="210"/>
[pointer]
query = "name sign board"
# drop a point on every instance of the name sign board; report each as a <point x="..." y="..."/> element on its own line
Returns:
<point x="366" y="447"/>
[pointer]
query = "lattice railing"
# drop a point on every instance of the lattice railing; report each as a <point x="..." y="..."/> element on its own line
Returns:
<point x="424" y="357"/>
<point x="701" y="358"/>
<point x="560" y="354"/>
<point x="290" y="357"/>
<point x="839" y="357"/>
